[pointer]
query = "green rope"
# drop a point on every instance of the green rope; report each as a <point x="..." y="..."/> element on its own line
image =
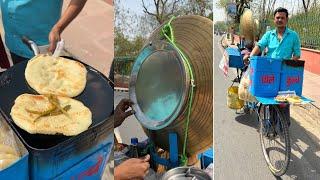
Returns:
<point x="167" y="31"/>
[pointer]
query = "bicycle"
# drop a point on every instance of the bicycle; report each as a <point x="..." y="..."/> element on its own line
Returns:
<point x="273" y="130"/>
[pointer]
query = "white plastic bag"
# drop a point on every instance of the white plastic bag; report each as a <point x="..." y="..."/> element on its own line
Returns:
<point x="224" y="63"/>
<point x="243" y="91"/>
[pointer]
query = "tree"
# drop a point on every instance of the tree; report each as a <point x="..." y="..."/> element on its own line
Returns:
<point x="163" y="9"/>
<point x="223" y="3"/>
<point x="198" y="7"/>
<point x="220" y="26"/>
<point x="306" y="5"/>
<point x="126" y="47"/>
<point x="130" y="31"/>
<point x="147" y="24"/>
<point x="125" y="20"/>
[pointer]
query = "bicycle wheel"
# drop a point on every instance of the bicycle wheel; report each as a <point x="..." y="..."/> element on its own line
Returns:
<point x="274" y="138"/>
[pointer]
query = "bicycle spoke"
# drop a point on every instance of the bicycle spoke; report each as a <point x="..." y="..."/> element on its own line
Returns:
<point x="274" y="139"/>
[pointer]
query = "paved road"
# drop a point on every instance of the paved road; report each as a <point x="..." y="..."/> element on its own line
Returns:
<point x="237" y="144"/>
<point x="130" y="127"/>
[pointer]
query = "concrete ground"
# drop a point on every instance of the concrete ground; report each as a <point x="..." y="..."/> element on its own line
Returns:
<point x="90" y="36"/>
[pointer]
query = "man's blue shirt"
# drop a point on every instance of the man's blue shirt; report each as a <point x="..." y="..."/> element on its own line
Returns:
<point x="284" y="49"/>
<point x="31" y="18"/>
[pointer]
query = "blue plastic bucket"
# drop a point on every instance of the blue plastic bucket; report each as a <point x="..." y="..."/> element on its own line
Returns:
<point x="264" y="76"/>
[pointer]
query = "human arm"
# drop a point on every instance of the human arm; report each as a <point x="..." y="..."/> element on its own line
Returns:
<point x="259" y="47"/>
<point x="256" y="50"/>
<point x="133" y="168"/>
<point x="296" y="48"/>
<point x="261" y="44"/>
<point x="295" y="58"/>
<point x="73" y="9"/>
<point x="120" y="113"/>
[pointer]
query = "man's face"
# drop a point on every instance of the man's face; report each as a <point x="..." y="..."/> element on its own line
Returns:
<point x="280" y="19"/>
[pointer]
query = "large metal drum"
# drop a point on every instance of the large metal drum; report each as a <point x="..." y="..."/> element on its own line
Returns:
<point x="160" y="84"/>
<point x="186" y="173"/>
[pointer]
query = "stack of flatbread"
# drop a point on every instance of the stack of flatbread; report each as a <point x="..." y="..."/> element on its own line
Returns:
<point x="7" y="156"/>
<point x="53" y="111"/>
<point x="293" y="99"/>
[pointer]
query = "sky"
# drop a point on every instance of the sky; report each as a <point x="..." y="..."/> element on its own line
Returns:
<point x="218" y="13"/>
<point x="134" y="5"/>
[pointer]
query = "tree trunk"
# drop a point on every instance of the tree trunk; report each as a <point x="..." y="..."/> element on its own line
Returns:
<point x="306" y="5"/>
<point x="263" y="10"/>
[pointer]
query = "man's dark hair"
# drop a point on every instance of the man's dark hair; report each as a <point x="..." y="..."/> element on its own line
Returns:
<point x="281" y="9"/>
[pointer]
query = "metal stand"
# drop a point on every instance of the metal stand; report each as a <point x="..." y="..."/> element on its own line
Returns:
<point x="173" y="160"/>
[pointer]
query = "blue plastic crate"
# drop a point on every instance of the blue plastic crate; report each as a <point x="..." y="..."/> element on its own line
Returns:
<point x="92" y="167"/>
<point x="292" y="76"/>
<point x="17" y="171"/>
<point x="59" y="160"/>
<point x="235" y="58"/>
<point x="264" y="76"/>
<point x="206" y="158"/>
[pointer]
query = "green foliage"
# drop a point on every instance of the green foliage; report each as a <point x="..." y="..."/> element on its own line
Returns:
<point x="126" y="47"/>
<point x="211" y="16"/>
<point x="221" y="26"/>
<point x="197" y="7"/>
<point x="308" y="27"/>
<point x="123" y="65"/>
<point x="223" y="3"/>
<point x="132" y="29"/>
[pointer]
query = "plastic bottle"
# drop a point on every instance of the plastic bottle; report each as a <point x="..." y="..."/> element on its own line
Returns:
<point x="134" y="148"/>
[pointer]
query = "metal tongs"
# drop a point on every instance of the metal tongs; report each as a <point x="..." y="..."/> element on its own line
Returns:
<point x="36" y="50"/>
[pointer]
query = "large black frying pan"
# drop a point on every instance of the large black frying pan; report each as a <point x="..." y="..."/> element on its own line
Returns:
<point x="97" y="96"/>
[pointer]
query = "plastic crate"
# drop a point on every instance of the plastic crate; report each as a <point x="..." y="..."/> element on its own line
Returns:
<point x="292" y="76"/>
<point x="235" y="58"/>
<point x="92" y="167"/>
<point x="56" y="161"/>
<point x="264" y="76"/>
<point x="17" y="171"/>
<point x="206" y="158"/>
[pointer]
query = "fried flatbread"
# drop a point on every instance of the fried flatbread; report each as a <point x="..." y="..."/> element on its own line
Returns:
<point x="5" y="149"/>
<point x="7" y="156"/>
<point x="59" y="76"/>
<point x="4" y="163"/>
<point x="37" y="114"/>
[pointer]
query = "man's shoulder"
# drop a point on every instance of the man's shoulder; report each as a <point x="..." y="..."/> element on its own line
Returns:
<point x="268" y="33"/>
<point x="292" y="31"/>
<point x="271" y="32"/>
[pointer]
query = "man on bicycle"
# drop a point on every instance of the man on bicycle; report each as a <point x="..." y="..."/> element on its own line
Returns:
<point x="282" y="42"/>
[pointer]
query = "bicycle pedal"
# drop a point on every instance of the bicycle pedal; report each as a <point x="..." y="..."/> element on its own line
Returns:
<point x="246" y="110"/>
<point x="236" y="80"/>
